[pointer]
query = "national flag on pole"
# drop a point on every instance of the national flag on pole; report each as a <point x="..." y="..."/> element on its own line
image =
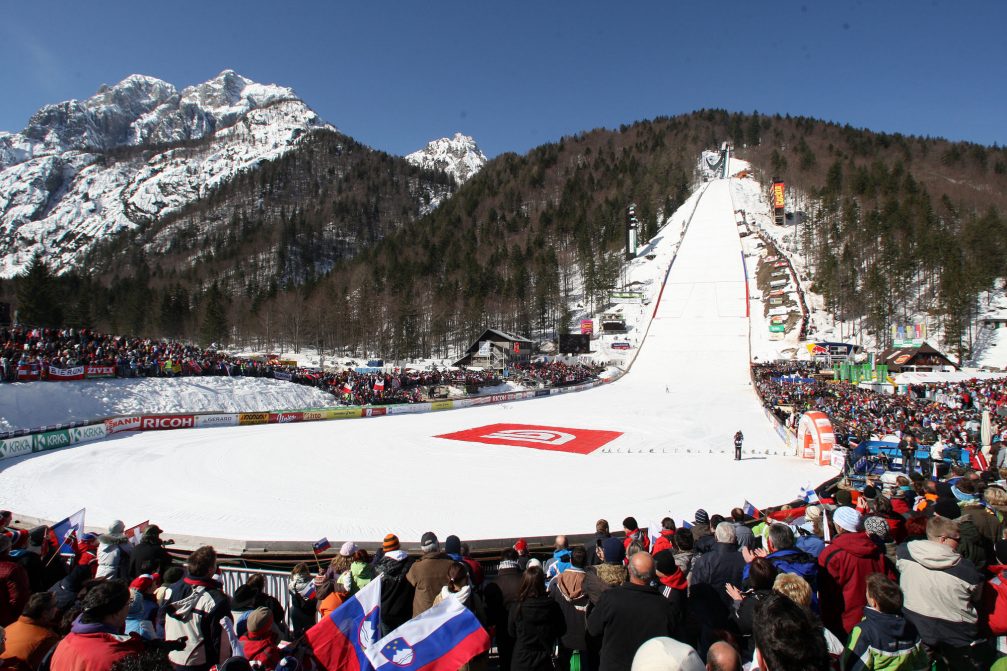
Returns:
<point x="341" y="640"/>
<point x="321" y="546"/>
<point x="379" y="384"/>
<point x="751" y="510"/>
<point x="442" y="638"/>
<point x="809" y="495"/>
<point x="67" y="532"/>
<point x="134" y="534"/>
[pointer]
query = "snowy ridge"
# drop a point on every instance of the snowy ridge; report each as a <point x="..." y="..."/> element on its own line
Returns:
<point x="459" y="156"/>
<point x="133" y="153"/>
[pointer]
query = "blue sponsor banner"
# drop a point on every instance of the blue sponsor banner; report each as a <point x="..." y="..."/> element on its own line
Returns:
<point x="283" y="375"/>
<point x="365" y="370"/>
<point x="541" y="392"/>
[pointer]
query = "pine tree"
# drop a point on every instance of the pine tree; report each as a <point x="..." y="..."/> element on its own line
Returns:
<point x="214" y="316"/>
<point x="38" y="295"/>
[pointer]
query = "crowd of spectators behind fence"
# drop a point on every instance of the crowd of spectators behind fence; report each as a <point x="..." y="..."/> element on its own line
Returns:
<point x="145" y="357"/>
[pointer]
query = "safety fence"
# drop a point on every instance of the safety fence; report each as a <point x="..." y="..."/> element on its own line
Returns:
<point x="231" y="578"/>
<point x="58" y="436"/>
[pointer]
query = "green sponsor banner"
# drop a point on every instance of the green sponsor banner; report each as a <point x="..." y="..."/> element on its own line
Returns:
<point x="777" y="328"/>
<point x="15" y="447"/>
<point x="50" y="440"/>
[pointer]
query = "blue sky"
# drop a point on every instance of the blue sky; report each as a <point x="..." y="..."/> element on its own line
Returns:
<point x="516" y="74"/>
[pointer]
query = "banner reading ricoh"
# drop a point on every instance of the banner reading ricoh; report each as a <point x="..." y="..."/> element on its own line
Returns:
<point x="15" y="447"/>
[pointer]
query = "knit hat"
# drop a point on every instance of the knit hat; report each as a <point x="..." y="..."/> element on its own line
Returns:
<point x="664" y="561"/>
<point x="813" y="513"/>
<point x="453" y="545"/>
<point x="533" y="562"/>
<point x="847" y="518"/>
<point x="89" y="537"/>
<point x="870" y="492"/>
<point x="391" y="543"/>
<point x="151" y="533"/>
<point x="142" y="583"/>
<point x="349" y="547"/>
<point x="613" y="550"/>
<point x="947" y="508"/>
<point x="876" y="526"/>
<point x="702" y="518"/>
<point x="521" y="546"/>
<point x="428" y="542"/>
<point x="259" y="620"/>
<point x="844" y="498"/>
<point x="663" y="653"/>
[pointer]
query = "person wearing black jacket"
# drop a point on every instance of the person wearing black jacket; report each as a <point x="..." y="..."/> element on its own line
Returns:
<point x="500" y="595"/>
<point x="396" y="591"/>
<point x="628" y="616"/>
<point x="535" y="623"/>
<point x="149" y="555"/>
<point x="761" y="575"/>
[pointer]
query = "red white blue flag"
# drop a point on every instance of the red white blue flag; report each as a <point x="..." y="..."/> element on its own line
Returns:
<point x="340" y="642"/>
<point x="751" y="510"/>
<point x="68" y="531"/>
<point x="321" y="546"/>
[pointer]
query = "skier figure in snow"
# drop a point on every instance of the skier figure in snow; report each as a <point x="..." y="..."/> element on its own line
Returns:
<point x="738" y="438"/>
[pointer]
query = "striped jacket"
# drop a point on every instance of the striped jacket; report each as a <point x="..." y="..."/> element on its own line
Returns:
<point x="942" y="592"/>
<point x="884" y="641"/>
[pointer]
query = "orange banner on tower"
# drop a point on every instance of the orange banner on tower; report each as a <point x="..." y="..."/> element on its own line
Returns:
<point x="778" y="195"/>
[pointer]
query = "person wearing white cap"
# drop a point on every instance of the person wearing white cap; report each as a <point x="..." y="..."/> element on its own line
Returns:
<point x="844" y="567"/>
<point x="666" y="654"/>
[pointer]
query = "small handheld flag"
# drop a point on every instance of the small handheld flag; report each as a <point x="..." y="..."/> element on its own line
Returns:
<point x="321" y="546"/>
<point x="135" y="533"/>
<point x="809" y="495"/>
<point x="751" y="510"/>
<point x="67" y="532"/>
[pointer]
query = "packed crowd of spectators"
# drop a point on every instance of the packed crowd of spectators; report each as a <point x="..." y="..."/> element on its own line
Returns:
<point x="906" y="577"/>
<point x="948" y="412"/>
<point x="146" y="357"/>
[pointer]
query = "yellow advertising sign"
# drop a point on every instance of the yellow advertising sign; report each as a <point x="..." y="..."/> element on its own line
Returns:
<point x="442" y="405"/>
<point x="248" y="418"/>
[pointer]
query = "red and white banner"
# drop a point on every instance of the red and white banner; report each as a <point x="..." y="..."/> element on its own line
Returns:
<point x="135" y="533"/>
<point x="285" y="417"/>
<point x="120" y="424"/>
<point x="63" y="374"/>
<point x="578" y="441"/>
<point x="27" y="372"/>
<point x="161" y="422"/>
<point x="99" y="371"/>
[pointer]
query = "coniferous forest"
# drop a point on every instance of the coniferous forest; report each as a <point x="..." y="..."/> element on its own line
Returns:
<point x="354" y="250"/>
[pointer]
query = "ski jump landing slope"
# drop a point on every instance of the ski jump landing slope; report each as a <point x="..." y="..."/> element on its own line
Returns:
<point x="655" y="443"/>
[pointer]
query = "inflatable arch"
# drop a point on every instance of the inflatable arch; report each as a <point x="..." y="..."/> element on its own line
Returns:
<point x="815" y="438"/>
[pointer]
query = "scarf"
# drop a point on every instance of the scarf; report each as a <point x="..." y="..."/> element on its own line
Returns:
<point x="462" y="594"/>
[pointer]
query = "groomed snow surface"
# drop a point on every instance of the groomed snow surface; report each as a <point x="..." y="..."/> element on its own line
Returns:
<point x="676" y="411"/>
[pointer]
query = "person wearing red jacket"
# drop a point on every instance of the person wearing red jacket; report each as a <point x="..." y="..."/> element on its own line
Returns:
<point x="14" y="589"/>
<point x="260" y="641"/>
<point x="666" y="541"/>
<point x="634" y="533"/>
<point x="86" y="552"/>
<point x="96" y="641"/>
<point x="993" y="612"/>
<point x="844" y="567"/>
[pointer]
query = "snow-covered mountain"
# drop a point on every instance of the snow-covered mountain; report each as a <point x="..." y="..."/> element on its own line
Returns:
<point x="133" y="153"/>
<point x="458" y="156"/>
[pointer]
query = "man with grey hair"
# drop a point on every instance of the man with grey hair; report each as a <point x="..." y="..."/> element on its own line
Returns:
<point x="709" y="602"/>
<point x="429" y="573"/>
<point x="628" y="616"/>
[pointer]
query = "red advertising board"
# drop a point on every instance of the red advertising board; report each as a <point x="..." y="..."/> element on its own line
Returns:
<point x="285" y="417"/>
<point x="119" y="424"/>
<point x="27" y="372"/>
<point x="586" y="326"/>
<point x="578" y="441"/>
<point x="99" y="371"/>
<point x="778" y="195"/>
<point x="160" y="422"/>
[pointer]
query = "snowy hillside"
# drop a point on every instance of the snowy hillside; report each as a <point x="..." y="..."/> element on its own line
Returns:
<point x="131" y="154"/>
<point x="459" y="156"/>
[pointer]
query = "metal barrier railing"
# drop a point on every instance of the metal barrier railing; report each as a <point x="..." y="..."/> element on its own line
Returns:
<point x="233" y="577"/>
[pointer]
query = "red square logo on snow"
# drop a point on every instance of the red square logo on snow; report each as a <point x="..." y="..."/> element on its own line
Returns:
<point x="579" y="441"/>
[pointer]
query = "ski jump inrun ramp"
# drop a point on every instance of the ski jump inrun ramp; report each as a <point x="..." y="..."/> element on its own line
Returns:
<point x="655" y="443"/>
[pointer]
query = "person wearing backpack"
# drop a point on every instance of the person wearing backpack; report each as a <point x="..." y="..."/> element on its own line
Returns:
<point x="193" y="608"/>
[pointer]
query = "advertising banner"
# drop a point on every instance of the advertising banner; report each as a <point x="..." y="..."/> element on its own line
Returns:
<point x="204" y="421"/>
<point x="631" y="297"/>
<point x="15" y="447"/>
<point x="285" y="417"/>
<point x="63" y="374"/>
<point x="50" y="440"/>
<point x="408" y="408"/>
<point x="777" y="328"/>
<point x="165" y="422"/>
<point x="778" y="195"/>
<point x="442" y="405"/>
<point x="283" y="375"/>
<point x="586" y="326"/>
<point x="84" y="434"/>
<point x="120" y="424"/>
<point x="375" y="411"/>
<point x="484" y="348"/>
<point x="908" y="335"/>
<point x="249" y="418"/>
<point x="99" y="371"/>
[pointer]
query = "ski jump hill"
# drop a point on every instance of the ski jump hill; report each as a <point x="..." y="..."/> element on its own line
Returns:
<point x="656" y="442"/>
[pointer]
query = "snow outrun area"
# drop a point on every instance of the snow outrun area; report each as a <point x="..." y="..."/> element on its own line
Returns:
<point x="656" y="442"/>
<point x="28" y="405"/>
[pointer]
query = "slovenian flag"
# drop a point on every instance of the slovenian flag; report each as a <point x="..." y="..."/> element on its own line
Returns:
<point x="321" y="546"/>
<point x="309" y="591"/>
<point x="67" y="531"/>
<point x="442" y="638"/>
<point x="342" y="640"/>
<point x="751" y="510"/>
<point x="809" y="495"/>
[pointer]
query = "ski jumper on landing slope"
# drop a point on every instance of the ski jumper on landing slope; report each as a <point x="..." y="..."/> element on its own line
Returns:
<point x="738" y="438"/>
